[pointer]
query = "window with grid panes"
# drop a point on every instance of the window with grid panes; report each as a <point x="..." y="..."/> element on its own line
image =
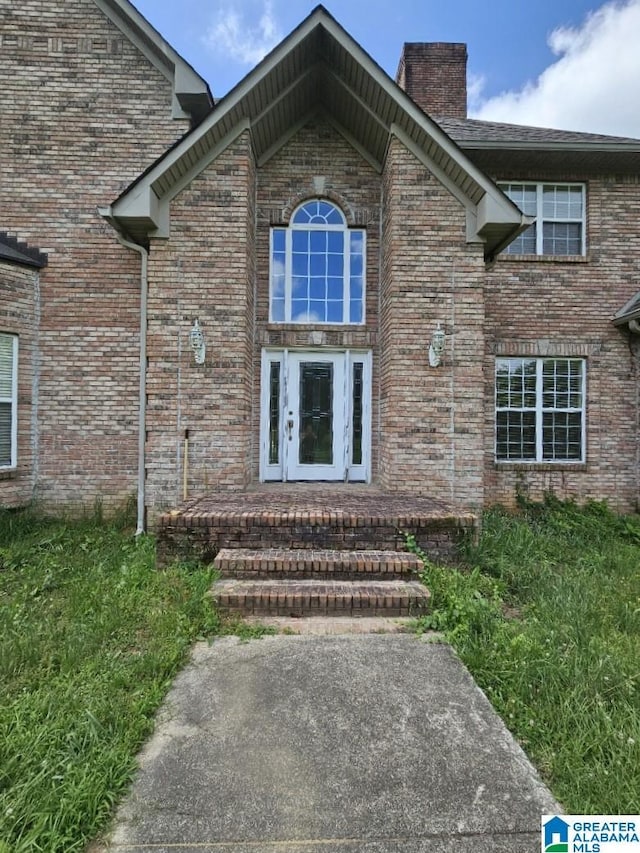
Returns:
<point x="8" y="400"/>
<point x="559" y="210"/>
<point x="317" y="268"/>
<point x="540" y="409"/>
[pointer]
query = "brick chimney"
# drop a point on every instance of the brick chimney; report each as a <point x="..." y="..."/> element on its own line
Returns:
<point x="434" y="75"/>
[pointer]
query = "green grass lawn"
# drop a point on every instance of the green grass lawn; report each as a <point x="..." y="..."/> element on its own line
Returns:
<point x="545" y="614"/>
<point x="90" y="637"/>
<point x="547" y="618"/>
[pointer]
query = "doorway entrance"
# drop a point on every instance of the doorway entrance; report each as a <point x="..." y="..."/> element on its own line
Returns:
<point x="315" y="416"/>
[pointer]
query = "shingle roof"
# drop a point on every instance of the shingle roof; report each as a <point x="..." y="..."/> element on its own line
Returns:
<point x="14" y="252"/>
<point x="474" y="130"/>
<point x="513" y="149"/>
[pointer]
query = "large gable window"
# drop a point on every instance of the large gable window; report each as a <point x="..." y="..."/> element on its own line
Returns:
<point x="8" y="400"/>
<point x="540" y="409"/>
<point x="317" y="268"/>
<point x="559" y="210"/>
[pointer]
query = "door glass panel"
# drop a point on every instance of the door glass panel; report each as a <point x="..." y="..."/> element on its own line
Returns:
<point x="274" y="413"/>
<point x="316" y="413"/>
<point x="356" y="438"/>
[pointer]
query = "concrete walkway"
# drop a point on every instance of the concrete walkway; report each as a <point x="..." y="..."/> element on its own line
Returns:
<point x="314" y="744"/>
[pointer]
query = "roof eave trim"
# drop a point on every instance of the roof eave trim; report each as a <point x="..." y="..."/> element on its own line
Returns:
<point x="629" y="311"/>
<point x="429" y="125"/>
<point x="497" y="210"/>
<point x="192" y="97"/>
<point x="622" y="321"/>
<point x="493" y="250"/>
<point x="595" y="147"/>
<point x="630" y="320"/>
<point x="13" y="251"/>
<point x="223" y="107"/>
<point x="493" y="209"/>
<point x="148" y="210"/>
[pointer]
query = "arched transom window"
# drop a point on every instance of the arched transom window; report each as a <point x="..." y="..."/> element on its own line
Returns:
<point x="317" y="268"/>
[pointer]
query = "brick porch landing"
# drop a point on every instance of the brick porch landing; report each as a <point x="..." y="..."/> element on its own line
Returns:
<point x="310" y="516"/>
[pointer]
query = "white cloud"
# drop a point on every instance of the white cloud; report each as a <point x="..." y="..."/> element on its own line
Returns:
<point x="232" y="35"/>
<point x="593" y="86"/>
<point x="475" y="85"/>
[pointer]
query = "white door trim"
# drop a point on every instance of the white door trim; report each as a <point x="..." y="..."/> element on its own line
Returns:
<point x="278" y="397"/>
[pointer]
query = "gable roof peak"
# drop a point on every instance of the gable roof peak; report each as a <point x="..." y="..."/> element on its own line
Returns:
<point x="318" y="69"/>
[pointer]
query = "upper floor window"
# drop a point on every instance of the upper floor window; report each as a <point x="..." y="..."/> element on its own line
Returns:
<point x="317" y="268"/>
<point x="540" y="409"/>
<point x="559" y="210"/>
<point x="8" y="400"/>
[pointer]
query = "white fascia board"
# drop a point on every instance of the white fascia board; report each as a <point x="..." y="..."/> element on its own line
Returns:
<point x="436" y="171"/>
<point x="597" y="147"/>
<point x="185" y="80"/>
<point x="227" y="104"/>
<point x="629" y="311"/>
<point x="141" y="203"/>
<point x="403" y="100"/>
<point x="212" y="154"/>
<point x="622" y="321"/>
<point x="271" y="61"/>
<point x="493" y="210"/>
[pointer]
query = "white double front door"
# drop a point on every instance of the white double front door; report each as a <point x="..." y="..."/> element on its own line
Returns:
<point x="315" y="415"/>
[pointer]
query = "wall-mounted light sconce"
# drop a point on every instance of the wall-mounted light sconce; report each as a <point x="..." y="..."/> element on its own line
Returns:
<point x="197" y="344"/>
<point x="436" y="347"/>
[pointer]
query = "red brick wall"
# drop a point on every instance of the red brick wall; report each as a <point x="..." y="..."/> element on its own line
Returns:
<point x="431" y="418"/>
<point x="205" y="271"/>
<point x="286" y="180"/>
<point x="19" y="310"/>
<point x="83" y="113"/>
<point x="554" y="308"/>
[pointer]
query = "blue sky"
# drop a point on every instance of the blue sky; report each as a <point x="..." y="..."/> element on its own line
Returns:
<point x="556" y="63"/>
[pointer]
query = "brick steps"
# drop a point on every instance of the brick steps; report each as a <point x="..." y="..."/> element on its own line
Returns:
<point x="320" y="597"/>
<point x="317" y="550"/>
<point x="299" y="563"/>
<point x="302" y="517"/>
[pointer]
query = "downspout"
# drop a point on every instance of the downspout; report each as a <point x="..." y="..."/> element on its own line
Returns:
<point x="142" y="392"/>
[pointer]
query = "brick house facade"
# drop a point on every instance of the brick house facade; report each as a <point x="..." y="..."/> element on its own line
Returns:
<point x="320" y="227"/>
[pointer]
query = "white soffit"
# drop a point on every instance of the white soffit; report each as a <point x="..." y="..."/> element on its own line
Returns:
<point x="319" y="68"/>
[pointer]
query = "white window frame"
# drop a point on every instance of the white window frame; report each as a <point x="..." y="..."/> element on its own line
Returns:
<point x="540" y="410"/>
<point x="346" y="273"/>
<point x="12" y="399"/>
<point x="540" y="219"/>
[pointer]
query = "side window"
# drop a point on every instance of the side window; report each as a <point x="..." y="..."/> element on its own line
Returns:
<point x="560" y="226"/>
<point x="8" y="400"/>
<point x="317" y="268"/>
<point x="540" y="410"/>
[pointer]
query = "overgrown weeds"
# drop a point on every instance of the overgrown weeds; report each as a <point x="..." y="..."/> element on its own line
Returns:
<point x="90" y="637"/>
<point x="564" y="674"/>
